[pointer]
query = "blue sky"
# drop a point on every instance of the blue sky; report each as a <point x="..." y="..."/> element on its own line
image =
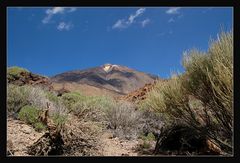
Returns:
<point x="52" y="40"/>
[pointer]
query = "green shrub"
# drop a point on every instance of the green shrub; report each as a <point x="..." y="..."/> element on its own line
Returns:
<point x="146" y="144"/>
<point x="39" y="126"/>
<point x="15" y="71"/>
<point x="202" y="97"/>
<point x="169" y="99"/>
<point x="149" y="137"/>
<point x="52" y="97"/>
<point x="25" y="103"/>
<point x="69" y="99"/>
<point x="59" y="119"/>
<point x="92" y="107"/>
<point x="17" y="97"/>
<point x="30" y="114"/>
<point x="209" y="78"/>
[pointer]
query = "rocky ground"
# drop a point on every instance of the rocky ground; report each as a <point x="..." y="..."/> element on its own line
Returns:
<point x="20" y="136"/>
<point x="116" y="147"/>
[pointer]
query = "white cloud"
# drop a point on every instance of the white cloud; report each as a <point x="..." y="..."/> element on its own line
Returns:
<point x="138" y="13"/>
<point x="64" y="26"/>
<point x="173" y="10"/>
<point x="56" y="10"/>
<point x="171" y="20"/>
<point x="145" y="22"/>
<point x="122" y="23"/>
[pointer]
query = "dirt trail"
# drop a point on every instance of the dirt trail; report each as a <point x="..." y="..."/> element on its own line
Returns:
<point x="116" y="147"/>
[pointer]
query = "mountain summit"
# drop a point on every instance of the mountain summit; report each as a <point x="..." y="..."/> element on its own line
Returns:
<point x="106" y="79"/>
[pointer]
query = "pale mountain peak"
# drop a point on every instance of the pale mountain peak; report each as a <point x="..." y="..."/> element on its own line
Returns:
<point x="108" y="67"/>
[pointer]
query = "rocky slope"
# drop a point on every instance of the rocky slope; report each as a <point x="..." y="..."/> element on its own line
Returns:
<point x="141" y="93"/>
<point x="106" y="79"/>
<point x="25" y="77"/>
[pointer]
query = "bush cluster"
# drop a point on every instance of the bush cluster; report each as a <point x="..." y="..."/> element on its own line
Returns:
<point x="202" y="97"/>
<point x="25" y="102"/>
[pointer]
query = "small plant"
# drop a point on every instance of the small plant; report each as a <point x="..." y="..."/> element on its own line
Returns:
<point x="39" y="126"/>
<point x="146" y="140"/>
<point x="30" y="114"/>
<point x="149" y="137"/>
<point x="146" y="144"/>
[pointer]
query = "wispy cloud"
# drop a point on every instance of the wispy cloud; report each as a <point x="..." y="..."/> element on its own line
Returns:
<point x="54" y="11"/>
<point x="145" y="22"/>
<point x="64" y="26"/>
<point x="173" y="10"/>
<point x="138" y="13"/>
<point x="171" y="20"/>
<point x="122" y="23"/>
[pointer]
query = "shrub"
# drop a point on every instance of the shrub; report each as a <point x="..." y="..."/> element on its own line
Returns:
<point x="124" y="120"/>
<point x="39" y="126"/>
<point x="152" y="121"/>
<point x="148" y="137"/>
<point x="43" y="99"/>
<point x="209" y="78"/>
<point x="170" y="100"/>
<point x="15" y="71"/>
<point x="20" y="96"/>
<point x="17" y="97"/>
<point x="92" y="107"/>
<point x="59" y="119"/>
<point x="202" y="97"/>
<point x="69" y="99"/>
<point x="30" y="114"/>
<point x="37" y="97"/>
<point x="180" y="139"/>
<point x="52" y="97"/>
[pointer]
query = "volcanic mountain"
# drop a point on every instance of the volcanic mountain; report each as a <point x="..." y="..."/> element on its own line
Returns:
<point x="108" y="79"/>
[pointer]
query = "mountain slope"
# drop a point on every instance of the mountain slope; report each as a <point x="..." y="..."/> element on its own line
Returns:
<point x="20" y="76"/>
<point x="108" y="78"/>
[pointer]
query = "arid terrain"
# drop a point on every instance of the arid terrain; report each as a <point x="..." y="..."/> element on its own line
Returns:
<point x="113" y="110"/>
